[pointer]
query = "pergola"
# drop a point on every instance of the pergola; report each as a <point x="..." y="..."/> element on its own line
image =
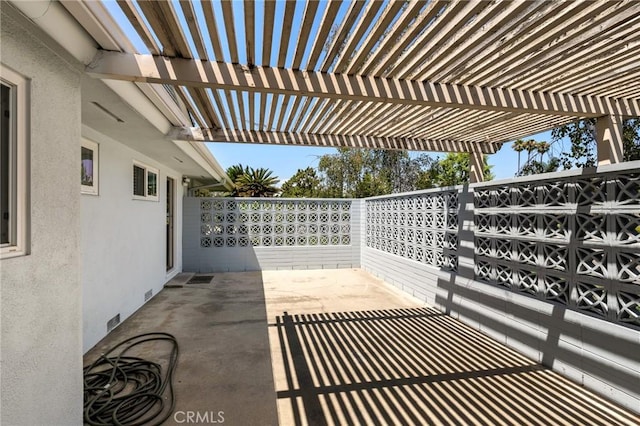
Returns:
<point x="456" y="76"/>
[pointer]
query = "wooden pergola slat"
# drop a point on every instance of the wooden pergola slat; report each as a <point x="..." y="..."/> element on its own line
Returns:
<point x="424" y="21"/>
<point x="306" y="139"/>
<point x="138" y="24"/>
<point x="314" y="107"/>
<point x="284" y="107"/>
<point x="476" y="45"/>
<point x="358" y="32"/>
<point x="294" y="111"/>
<point x="575" y="49"/>
<point x="156" y="20"/>
<point x="230" y="29"/>
<point x="416" y="57"/>
<point x="305" y="31"/>
<point x="325" y="27"/>
<point x="341" y="34"/>
<point x="194" y="28"/>
<point x="171" y="24"/>
<point x="191" y="107"/>
<point x="267" y="31"/>
<point x="475" y="38"/>
<point x="468" y="72"/>
<point x="373" y="37"/>
<point x="200" y="73"/>
<point x="285" y="34"/>
<point x="410" y="18"/>
<point x="214" y="35"/>
<point x="249" y="25"/>
<point x="542" y="35"/>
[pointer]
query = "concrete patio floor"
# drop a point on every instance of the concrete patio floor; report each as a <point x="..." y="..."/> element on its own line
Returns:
<point x="341" y="347"/>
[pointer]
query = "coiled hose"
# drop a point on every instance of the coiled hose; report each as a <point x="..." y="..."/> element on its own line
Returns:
<point x="124" y="390"/>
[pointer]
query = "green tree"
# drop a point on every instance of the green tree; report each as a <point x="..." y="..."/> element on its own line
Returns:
<point x="402" y="173"/>
<point x="535" y="163"/>
<point x="453" y="169"/>
<point x="535" y="167"/>
<point x="368" y="172"/>
<point x="349" y="173"/>
<point x="518" y="146"/>
<point x="304" y="184"/>
<point x="428" y="178"/>
<point x="582" y="137"/>
<point x="255" y="183"/>
<point x="237" y="170"/>
<point x="582" y="151"/>
<point x="631" y="139"/>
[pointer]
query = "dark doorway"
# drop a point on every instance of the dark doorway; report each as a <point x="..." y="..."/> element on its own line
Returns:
<point x="170" y="220"/>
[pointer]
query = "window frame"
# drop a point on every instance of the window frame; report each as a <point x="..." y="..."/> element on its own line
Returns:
<point x="147" y="170"/>
<point x="95" y="148"/>
<point x="19" y="196"/>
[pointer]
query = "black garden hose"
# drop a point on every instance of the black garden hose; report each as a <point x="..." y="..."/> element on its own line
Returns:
<point x="123" y="390"/>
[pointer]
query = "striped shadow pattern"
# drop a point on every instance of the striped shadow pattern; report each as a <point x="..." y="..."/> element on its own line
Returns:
<point x="420" y="366"/>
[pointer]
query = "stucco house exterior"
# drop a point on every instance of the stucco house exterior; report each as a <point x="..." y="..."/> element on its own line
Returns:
<point x="79" y="254"/>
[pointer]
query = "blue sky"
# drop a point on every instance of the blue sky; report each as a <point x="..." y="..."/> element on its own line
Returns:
<point x="283" y="160"/>
<point x="286" y="160"/>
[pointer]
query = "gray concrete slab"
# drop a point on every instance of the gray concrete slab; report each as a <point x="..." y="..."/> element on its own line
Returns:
<point x="341" y="347"/>
<point x="224" y="363"/>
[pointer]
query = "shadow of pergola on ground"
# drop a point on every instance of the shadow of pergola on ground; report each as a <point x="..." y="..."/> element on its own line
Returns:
<point x="419" y="366"/>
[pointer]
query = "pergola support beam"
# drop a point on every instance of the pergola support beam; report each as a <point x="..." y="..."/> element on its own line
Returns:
<point x="328" y="140"/>
<point x="609" y="140"/>
<point x="476" y="166"/>
<point x="215" y="75"/>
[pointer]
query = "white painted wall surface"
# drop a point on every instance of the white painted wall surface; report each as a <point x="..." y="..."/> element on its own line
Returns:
<point x="40" y="299"/>
<point x="123" y="240"/>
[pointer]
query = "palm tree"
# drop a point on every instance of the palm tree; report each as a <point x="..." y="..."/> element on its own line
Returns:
<point x="256" y="183"/>
<point x="237" y="170"/>
<point x="543" y="147"/>
<point x="518" y="146"/>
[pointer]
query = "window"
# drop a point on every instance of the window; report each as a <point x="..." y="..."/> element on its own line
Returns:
<point x="13" y="163"/>
<point x="145" y="182"/>
<point x="89" y="167"/>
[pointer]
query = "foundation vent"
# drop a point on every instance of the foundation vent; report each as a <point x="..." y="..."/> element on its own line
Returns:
<point x="148" y="295"/>
<point x="113" y="322"/>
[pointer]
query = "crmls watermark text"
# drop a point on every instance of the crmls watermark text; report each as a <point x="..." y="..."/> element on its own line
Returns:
<point x="202" y="417"/>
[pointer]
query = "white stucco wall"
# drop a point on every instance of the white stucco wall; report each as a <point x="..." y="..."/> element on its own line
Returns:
<point x="40" y="299"/>
<point x="123" y="240"/>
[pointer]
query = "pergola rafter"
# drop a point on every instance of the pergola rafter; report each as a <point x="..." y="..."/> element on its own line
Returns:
<point x="327" y="140"/>
<point x="336" y="72"/>
<point x="345" y="87"/>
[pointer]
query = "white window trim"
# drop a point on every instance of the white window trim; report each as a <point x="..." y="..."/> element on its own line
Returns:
<point x="19" y="179"/>
<point x="147" y="170"/>
<point x="92" y="190"/>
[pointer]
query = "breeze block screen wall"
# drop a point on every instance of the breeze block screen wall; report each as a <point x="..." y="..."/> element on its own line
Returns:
<point x="548" y="265"/>
<point x="244" y="234"/>
<point x="421" y="227"/>
<point x="572" y="241"/>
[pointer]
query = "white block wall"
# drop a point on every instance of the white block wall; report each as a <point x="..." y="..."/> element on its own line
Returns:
<point x="199" y="256"/>
<point x="597" y="350"/>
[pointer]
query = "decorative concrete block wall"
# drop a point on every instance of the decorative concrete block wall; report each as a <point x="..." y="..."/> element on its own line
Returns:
<point x="420" y="227"/>
<point x="548" y="265"/>
<point x="241" y="234"/>
<point x="573" y="241"/>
